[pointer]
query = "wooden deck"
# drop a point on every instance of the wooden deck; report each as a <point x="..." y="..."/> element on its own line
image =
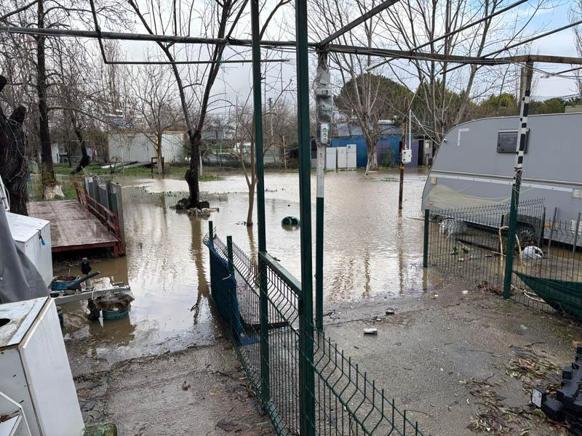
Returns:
<point x="73" y="227"/>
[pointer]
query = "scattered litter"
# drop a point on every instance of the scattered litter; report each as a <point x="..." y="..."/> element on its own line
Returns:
<point x="533" y="368"/>
<point x="370" y="331"/>
<point x="465" y="292"/>
<point x="390" y="311"/>
<point x="435" y="296"/>
<point x="495" y="416"/>
<point x="523" y="327"/>
<point x="185" y="386"/>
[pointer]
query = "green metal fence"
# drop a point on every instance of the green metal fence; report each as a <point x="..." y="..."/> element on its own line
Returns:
<point x="346" y="401"/>
<point x="471" y="244"/>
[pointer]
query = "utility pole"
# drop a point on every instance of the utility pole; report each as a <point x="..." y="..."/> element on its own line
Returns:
<point x="405" y="156"/>
<point x="324" y="111"/>
<point x="525" y="91"/>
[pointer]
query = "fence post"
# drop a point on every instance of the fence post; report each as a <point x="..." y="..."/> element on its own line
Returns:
<point x="426" y="240"/>
<point x="229" y="254"/>
<point x="210" y="232"/>
<point x="306" y="370"/>
<point x="260" y="168"/>
<point x="527" y="75"/>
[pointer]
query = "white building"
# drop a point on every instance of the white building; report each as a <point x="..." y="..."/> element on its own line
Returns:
<point x="129" y="146"/>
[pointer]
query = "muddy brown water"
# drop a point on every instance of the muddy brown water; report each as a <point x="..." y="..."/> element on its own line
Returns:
<point x="371" y="252"/>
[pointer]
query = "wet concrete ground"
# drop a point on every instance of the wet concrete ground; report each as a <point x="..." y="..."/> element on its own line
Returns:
<point x="459" y="363"/>
<point x="432" y="356"/>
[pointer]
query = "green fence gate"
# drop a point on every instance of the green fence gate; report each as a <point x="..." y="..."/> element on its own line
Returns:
<point x="345" y="400"/>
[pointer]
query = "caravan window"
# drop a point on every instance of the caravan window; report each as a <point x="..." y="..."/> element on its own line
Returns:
<point x="507" y="141"/>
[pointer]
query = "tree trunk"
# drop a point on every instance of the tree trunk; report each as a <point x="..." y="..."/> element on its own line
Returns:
<point x="13" y="164"/>
<point x="159" y="155"/>
<point x="47" y="170"/>
<point x="192" y="173"/>
<point x="372" y="164"/>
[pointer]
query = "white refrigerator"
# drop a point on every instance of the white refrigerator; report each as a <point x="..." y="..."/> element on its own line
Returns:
<point x="34" y="368"/>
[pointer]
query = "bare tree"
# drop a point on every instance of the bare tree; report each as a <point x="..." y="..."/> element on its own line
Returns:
<point x="13" y="165"/>
<point x="363" y="99"/>
<point x="214" y="19"/>
<point x="35" y="66"/>
<point x="278" y="118"/>
<point x="219" y="19"/>
<point x="154" y="95"/>
<point x="435" y="25"/>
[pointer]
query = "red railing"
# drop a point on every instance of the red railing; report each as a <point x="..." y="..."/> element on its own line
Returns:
<point x="107" y="217"/>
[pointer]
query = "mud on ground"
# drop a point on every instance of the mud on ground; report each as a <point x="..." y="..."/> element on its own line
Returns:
<point x="197" y="391"/>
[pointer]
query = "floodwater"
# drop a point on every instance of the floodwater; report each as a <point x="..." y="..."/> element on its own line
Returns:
<point x="371" y="252"/>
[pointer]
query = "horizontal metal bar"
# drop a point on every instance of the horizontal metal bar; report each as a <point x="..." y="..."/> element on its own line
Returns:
<point x="285" y="275"/>
<point x="454" y="32"/>
<point x="505" y="178"/>
<point x="91" y="294"/>
<point x="228" y="61"/>
<point x="371" y="13"/>
<point x="335" y="48"/>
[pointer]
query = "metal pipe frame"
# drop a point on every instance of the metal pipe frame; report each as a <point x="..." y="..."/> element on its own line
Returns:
<point x="306" y="369"/>
<point x="227" y="61"/>
<point x="335" y="48"/>
<point x="371" y="13"/>
<point x="526" y="41"/>
<point x="454" y="32"/>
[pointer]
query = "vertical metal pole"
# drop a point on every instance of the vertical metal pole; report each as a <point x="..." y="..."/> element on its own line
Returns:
<point x="319" y="225"/>
<point x="426" y="240"/>
<point x="258" y="120"/>
<point x="552" y="231"/>
<point x="306" y="372"/>
<point x="211" y="232"/>
<point x="324" y="110"/>
<point x="527" y="75"/>
<point x="229" y="254"/>
<point x="231" y="305"/>
<point x="401" y="185"/>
